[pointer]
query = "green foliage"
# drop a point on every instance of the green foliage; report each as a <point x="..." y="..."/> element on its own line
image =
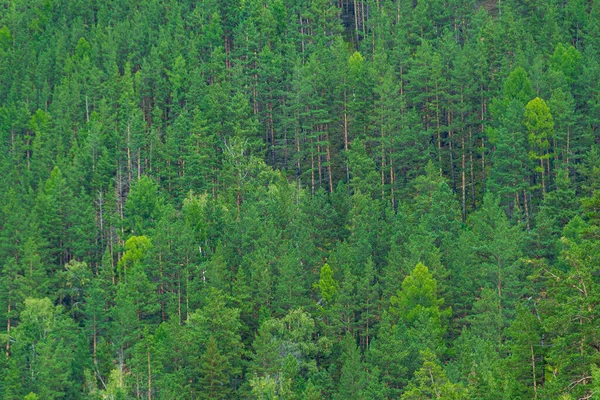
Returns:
<point x="430" y="382"/>
<point x="327" y="285"/>
<point x="143" y="206"/>
<point x="45" y="344"/>
<point x="228" y="199"/>
<point x="566" y="59"/>
<point x="214" y="379"/>
<point x="539" y="123"/>
<point x="417" y="297"/>
<point x="418" y="309"/>
<point x="518" y="86"/>
<point x="352" y="379"/>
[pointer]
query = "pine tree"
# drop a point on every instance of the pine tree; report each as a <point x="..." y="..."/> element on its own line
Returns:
<point x="216" y="319"/>
<point x="389" y="353"/>
<point x="418" y="307"/>
<point x="540" y="127"/>
<point x="45" y="345"/>
<point x="352" y="380"/>
<point x="214" y="380"/>
<point x="430" y="382"/>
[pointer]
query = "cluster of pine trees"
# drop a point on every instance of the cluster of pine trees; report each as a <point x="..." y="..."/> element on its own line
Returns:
<point x="299" y="199"/>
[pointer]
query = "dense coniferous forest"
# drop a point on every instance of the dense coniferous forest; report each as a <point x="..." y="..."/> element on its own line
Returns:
<point x="299" y="199"/>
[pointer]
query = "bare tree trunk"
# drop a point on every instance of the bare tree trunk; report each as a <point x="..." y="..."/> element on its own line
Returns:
<point x="329" y="160"/>
<point x="272" y="130"/>
<point x="298" y="165"/>
<point x="472" y="170"/>
<point x="568" y="143"/>
<point x="363" y="18"/>
<point x="464" y="167"/>
<point x="129" y="152"/>
<point x="392" y="182"/>
<point x="543" y="178"/>
<point x="312" y="170"/>
<point x="302" y="36"/>
<point x="28" y="143"/>
<point x="438" y="128"/>
<point x="483" y="163"/>
<point x="149" y="378"/>
<point x="345" y="120"/>
<point x="95" y="344"/>
<point x="356" y="22"/>
<point x="319" y="165"/>
<point x="526" y="209"/>
<point x="549" y="174"/>
<point x="451" y="150"/>
<point x="8" y="328"/>
<point x="533" y="369"/>
<point x="499" y="285"/>
<point x="87" y="111"/>
<point x="383" y="166"/>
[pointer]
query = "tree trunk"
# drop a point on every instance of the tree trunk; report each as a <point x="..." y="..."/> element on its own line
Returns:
<point x="533" y="369"/>
<point x="464" y="183"/>
<point x="543" y="178"/>
<point x="312" y="170"/>
<point x="526" y="209"/>
<point x="345" y="121"/>
<point x="319" y="165"/>
<point x="472" y="170"/>
<point x="149" y="378"/>
<point x="8" y="328"/>
<point x="329" y="161"/>
<point x="356" y="23"/>
<point x="129" y="152"/>
<point x="95" y="344"/>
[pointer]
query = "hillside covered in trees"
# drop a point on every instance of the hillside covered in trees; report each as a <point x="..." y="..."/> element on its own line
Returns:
<point x="299" y="199"/>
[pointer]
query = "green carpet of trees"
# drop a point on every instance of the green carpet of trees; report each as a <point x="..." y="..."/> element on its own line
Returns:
<point x="286" y="199"/>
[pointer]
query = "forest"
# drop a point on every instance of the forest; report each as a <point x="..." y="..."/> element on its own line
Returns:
<point x="299" y="199"/>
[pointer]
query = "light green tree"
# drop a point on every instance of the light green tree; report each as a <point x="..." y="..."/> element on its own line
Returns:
<point x="540" y="128"/>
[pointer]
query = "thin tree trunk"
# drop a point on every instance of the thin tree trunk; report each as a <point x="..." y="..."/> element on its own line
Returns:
<point x="363" y="18"/>
<point x="8" y="328"/>
<point x="95" y="344"/>
<point x="356" y="22"/>
<point x="526" y="209"/>
<point x="149" y="378"/>
<point x="312" y="170"/>
<point x="438" y="128"/>
<point x="298" y="165"/>
<point x="533" y="369"/>
<point x="464" y="194"/>
<point x="483" y="164"/>
<point x="345" y="120"/>
<point x="568" y="143"/>
<point x="450" y="150"/>
<point x="499" y="265"/>
<point x="543" y="178"/>
<point x="383" y="166"/>
<point x="549" y="174"/>
<point x="129" y="153"/>
<point x="179" y="291"/>
<point x="87" y="111"/>
<point x="302" y="36"/>
<point x="329" y="160"/>
<point x="392" y="182"/>
<point x="272" y="129"/>
<point x="472" y="170"/>
<point x="28" y="143"/>
<point x="319" y="165"/>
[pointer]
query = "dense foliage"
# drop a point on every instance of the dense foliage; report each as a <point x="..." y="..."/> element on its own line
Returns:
<point x="286" y="199"/>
